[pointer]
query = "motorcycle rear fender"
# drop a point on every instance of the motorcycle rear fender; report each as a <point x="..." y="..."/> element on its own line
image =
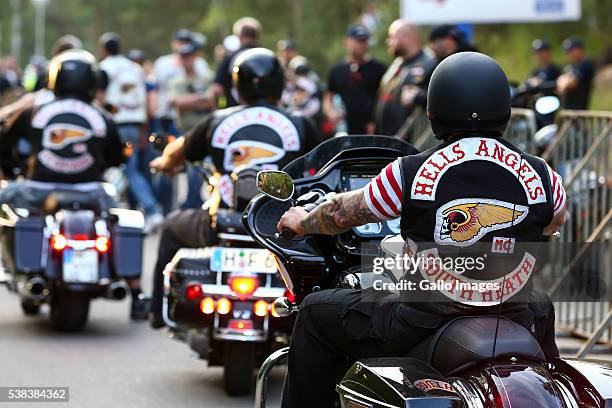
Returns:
<point x="511" y="383"/>
<point x="396" y="382"/>
<point x="588" y="381"/>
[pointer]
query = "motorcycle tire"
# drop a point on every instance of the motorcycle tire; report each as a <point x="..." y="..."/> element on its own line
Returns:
<point x="238" y="367"/>
<point x="69" y="311"/>
<point x="29" y="308"/>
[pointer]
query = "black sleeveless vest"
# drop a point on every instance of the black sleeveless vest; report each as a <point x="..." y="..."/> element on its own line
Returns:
<point x="477" y="198"/>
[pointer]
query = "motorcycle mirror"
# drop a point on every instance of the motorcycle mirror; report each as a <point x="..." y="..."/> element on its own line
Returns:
<point x="276" y="184"/>
<point x="547" y="104"/>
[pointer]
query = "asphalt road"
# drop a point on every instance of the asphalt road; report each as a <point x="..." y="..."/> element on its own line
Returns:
<point x="113" y="363"/>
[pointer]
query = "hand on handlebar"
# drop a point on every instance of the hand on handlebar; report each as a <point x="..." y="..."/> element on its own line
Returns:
<point x="292" y="220"/>
<point x="164" y="165"/>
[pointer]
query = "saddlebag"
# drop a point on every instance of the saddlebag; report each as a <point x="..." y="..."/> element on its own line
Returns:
<point x="398" y="382"/>
<point x="29" y="245"/>
<point x="127" y="242"/>
<point x="188" y="266"/>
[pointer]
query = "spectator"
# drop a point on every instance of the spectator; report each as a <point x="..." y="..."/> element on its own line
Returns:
<point x="574" y="86"/>
<point x="126" y="94"/>
<point x="404" y="85"/>
<point x="286" y="50"/>
<point x="248" y="30"/>
<point x="356" y="80"/>
<point x="547" y="70"/>
<point x="445" y="40"/>
<point x="163" y="186"/>
<point x="165" y="69"/>
<point x="189" y="97"/>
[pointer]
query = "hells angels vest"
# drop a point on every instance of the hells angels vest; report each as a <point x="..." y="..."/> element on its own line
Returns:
<point x="473" y="214"/>
<point x="247" y="136"/>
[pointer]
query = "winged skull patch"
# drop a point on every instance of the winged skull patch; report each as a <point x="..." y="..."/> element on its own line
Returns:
<point x="463" y="222"/>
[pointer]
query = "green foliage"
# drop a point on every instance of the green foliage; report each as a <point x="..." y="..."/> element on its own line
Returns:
<point x="318" y="26"/>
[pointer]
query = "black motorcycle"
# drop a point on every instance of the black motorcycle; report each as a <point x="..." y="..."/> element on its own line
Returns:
<point x="64" y="245"/>
<point x="464" y="364"/>
<point x="219" y="299"/>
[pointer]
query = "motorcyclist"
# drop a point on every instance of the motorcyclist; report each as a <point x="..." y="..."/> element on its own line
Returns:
<point x="468" y="108"/>
<point x="257" y="133"/>
<point x="72" y="141"/>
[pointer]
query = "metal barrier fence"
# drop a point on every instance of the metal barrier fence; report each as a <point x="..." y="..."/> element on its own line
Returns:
<point x="520" y="131"/>
<point x="582" y="154"/>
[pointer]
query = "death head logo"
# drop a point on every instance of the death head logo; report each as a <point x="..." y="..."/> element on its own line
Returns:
<point x="59" y="135"/>
<point x="249" y="153"/>
<point x="463" y="222"/>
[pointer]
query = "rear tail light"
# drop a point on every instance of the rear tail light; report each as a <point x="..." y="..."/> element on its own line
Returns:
<point x="193" y="292"/>
<point x="224" y="306"/>
<point x="102" y="244"/>
<point x="260" y="308"/>
<point x="239" y="324"/>
<point x="59" y="242"/>
<point x="207" y="305"/>
<point x="243" y="286"/>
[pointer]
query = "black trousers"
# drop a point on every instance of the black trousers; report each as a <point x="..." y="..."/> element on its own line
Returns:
<point x="336" y="327"/>
<point x="182" y="229"/>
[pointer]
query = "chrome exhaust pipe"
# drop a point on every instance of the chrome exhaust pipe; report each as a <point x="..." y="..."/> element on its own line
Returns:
<point x="116" y="290"/>
<point x="34" y="288"/>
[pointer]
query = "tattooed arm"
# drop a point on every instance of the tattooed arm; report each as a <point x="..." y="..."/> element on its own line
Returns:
<point x="339" y="214"/>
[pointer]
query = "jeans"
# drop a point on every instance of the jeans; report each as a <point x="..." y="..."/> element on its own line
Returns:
<point x="139" y="187"/>
<point x="194" y="188"/>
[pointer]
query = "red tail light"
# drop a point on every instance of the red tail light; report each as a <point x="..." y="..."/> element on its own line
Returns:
<point x="239" y="324"/>
<point x="224" y="306"/>
<point x="260" y="308"/>
<point x="207" y="305"/>
<point x="59" y="242"/>
<point x="243" y="286"/>
<point x="193" y="292"/>
<point x="102" y="244"/>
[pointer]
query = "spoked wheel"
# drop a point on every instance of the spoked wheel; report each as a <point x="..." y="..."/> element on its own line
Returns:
<point x="239" y="364"/>
<point x="69" y="311"/>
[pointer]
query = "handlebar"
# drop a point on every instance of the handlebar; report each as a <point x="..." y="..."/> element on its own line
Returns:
<point x="286" y="233"/>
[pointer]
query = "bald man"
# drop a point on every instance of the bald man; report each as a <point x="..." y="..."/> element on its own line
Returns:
<point x="404" y="85"/>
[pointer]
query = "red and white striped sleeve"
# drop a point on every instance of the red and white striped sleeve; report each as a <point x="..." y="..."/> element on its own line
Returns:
<point x="558" y="192"/>
<point x="383" y="194"/>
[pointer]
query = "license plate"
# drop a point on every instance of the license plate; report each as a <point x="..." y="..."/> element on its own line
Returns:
<point x="81" y="266"/>
<point x="242" y="260"/>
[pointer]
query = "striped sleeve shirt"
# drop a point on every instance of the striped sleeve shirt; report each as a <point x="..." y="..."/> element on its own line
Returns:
<point x="383" y="194"/>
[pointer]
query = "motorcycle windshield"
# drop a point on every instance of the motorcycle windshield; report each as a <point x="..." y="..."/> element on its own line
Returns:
<point x="318" y="157"/>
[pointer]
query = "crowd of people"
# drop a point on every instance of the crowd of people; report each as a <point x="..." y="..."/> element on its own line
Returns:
<point x="360" y="94"/>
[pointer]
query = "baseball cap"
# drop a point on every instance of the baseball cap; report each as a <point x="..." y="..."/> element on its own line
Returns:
<point x="572" y="42"/>
<point x="358" y="32"/>
<point x="539" y="45"/>
<point x="182" y="34"/>
<point x="443" y="31"/>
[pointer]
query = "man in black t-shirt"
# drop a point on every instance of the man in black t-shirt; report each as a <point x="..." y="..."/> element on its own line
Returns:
<point x="547" y="70"/>
<point x="356" y="80"/>
<point x="247" y="29"/>
<point x="255" y="134"/>
<point x="575" y="84"/>
<point x="404" y="85"/>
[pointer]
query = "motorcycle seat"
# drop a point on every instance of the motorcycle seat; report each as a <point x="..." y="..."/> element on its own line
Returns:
<point x="230" y="222"/>
<point x="466" y="341"/>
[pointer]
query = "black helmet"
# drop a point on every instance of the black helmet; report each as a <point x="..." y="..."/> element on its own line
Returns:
<point x="257" y="74"/>
<point x="468" y="92"/>
<point x="73" y="73"/>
